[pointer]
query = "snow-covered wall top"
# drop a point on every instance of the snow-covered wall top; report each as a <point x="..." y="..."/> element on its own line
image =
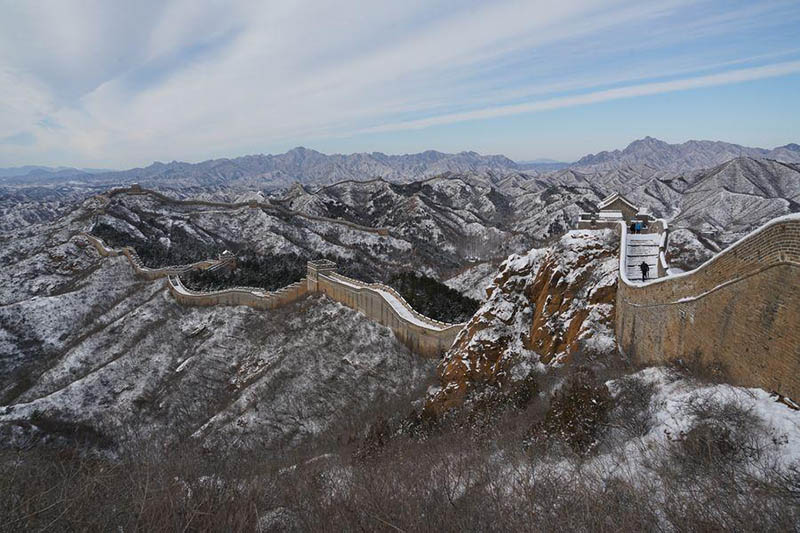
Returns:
<point x="396" y="300"/>
<point x="736" y="315"/>
<point x="384" y="305"/>
<point x="144" y="271"/>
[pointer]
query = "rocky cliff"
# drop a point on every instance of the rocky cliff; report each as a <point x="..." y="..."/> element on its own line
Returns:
<point x="543" y="309"/>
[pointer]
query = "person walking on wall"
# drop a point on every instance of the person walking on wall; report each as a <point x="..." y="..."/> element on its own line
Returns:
<point x="645" y="268"/>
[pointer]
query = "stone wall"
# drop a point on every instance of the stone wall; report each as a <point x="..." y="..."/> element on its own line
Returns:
<point x="381" y="303"/>
<point x="139" y="267"/>
<point x="249" y="296"/>
<point x="739" y="312"/>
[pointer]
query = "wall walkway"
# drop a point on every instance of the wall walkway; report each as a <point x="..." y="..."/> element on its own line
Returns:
<point x="738" y="312"/>
<point x="386" y="306"/>
<point x="147" y="272"/>
<point x="249" y="296"/>
<point x="381" y="303"/>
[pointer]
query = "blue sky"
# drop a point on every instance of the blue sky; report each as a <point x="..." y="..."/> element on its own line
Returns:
<point x="120" y="84"/>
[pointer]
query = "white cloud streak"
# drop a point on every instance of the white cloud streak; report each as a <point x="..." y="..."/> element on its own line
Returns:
<point x="117" y="85"/>
<point x="645" y="89"/>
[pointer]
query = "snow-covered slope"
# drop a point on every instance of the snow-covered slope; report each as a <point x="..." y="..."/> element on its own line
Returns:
<point x="229" y="377"/>
<point x="433" y="228"/>
<point x="89" y="351"/>
<point x="474" y="280"/>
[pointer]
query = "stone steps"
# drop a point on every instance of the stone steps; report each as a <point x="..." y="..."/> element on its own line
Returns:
<point x="642" y="248"/>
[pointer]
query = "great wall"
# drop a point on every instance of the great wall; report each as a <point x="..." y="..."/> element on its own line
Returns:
<point x="738" y="313"/>
<point x="381" y="303"/>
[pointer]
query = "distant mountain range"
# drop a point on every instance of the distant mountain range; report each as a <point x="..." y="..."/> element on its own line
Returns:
<point x="298" y="165"/>
<point x="691" y="155"/>
<point x="38" y="173"/>
<point x="310" y="167"/>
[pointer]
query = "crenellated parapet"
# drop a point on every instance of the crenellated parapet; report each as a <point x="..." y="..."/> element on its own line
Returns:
<point x="385" y="305"/>
<point x="254" y="297"/>
<point x="378" y="302"/>
<point x="739" y="312"/>
<point x="145" y="271"/>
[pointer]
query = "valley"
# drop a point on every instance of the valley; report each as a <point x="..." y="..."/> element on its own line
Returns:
<point x="112" y="366"/>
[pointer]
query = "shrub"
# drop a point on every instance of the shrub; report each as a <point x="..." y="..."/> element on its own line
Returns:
<point x="724" y="431"/>
<point x="434" y="299"/>
<point x="269" y="272"/>
<point x="577" y="413"/>
<point x="632" y="412"/>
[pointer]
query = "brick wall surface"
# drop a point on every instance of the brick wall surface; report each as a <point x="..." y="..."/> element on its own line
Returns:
<point x="249" y="296"/>
<point x="430" y="340"/>
<point x="739" y="312"/>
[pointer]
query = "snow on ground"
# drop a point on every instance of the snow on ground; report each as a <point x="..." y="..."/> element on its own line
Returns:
<point x="674" y="412"/>
<point x="763" y="434"/>
<point x="325" y="365"/>
<point x="474" y="280"/>
<point x="86" y="342"/>
<point x="232" y="376"/>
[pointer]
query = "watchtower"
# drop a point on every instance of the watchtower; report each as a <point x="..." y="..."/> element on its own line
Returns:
<point x="612" y="209"/>
<point x="314" y="269"/>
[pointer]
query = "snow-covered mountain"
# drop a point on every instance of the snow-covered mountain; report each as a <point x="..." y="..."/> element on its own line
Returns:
<point x="301" y="165"/>
<point x="309" y="167"/>
<point x="691" y="155"/>
<point x="90" y="353"/>
<point x="41" y="174"/>
<point x="708" y="208"/>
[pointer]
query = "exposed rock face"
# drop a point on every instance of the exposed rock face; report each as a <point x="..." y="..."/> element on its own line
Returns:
<point x="542" y="308"/>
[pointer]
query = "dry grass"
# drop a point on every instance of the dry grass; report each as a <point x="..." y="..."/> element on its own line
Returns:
<point x="401" y="473"/>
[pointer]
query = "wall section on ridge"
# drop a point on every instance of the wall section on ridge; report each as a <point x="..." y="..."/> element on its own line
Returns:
<point x="249" y="296"/>
<point x="139" y="267"/>
<point x="381" y="303"/>
<point x="739" y="312"/>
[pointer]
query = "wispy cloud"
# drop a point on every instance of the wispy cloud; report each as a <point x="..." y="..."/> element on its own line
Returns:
<point x="126" y="84"/>
<point x="644" y="89"/>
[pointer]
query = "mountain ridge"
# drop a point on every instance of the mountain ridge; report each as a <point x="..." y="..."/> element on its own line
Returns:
<point x="311" y="167"/>
<point x="690" y="155"/>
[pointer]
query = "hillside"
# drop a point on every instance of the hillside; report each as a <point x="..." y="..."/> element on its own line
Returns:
<point x="96" y="357"/>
